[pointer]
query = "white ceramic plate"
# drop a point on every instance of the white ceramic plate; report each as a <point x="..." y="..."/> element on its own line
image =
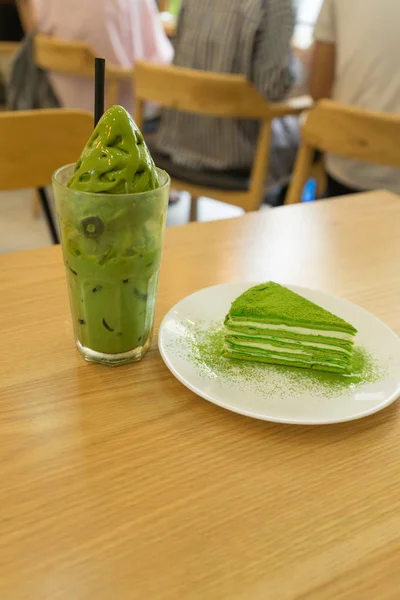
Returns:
<point x="280" y="394"/>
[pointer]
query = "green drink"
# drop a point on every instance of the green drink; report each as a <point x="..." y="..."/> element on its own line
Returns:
<point x="112" y="240"/>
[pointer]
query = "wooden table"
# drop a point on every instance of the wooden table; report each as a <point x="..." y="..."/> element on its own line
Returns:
<point x="122" y="484"/>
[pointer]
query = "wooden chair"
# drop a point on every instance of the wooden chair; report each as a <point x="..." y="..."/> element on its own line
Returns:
<point x="77" y="58"/>
<point x="8" y="48"/>
<point x="38" y="143"/>
<point x="346" y="131"/>
<point x="218" y="95"/>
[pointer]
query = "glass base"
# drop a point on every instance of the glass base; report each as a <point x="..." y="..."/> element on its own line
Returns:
<point x="113" y="360"/>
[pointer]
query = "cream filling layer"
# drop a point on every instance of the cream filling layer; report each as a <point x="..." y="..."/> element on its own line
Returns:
<point x="289" y="341"/>
<point x="280" y="349"/>
<point x="301" y="330"/>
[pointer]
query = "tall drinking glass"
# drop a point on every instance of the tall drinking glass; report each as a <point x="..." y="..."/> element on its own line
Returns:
<point x="112" y="245"/>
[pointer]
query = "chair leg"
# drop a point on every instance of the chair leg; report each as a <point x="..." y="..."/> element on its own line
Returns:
<point x="193" y="209"/>
<point x="300" y="174"/>
<point x="36" y="206"/>
<point x="48" y="214"/>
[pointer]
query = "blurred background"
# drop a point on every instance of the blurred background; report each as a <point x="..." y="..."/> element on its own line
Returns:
<point x="230" y="143"/>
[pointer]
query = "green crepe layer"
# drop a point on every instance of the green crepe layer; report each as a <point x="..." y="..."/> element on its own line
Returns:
<point x="273" y="304"/>
<point x="311" y="355"/>
<point x="286" y="335"/>
<point x="278" y="360"/>
<point x="288" y="344"/>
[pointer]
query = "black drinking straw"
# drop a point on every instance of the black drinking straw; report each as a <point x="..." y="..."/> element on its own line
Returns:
<point x="99" y="83"/>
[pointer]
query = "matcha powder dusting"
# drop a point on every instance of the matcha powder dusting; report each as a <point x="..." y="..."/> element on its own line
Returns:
<point x="203" y="347"/>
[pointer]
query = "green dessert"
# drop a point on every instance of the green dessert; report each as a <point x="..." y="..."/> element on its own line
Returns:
<point x="270" y="323"/>
<point x="112" y="243"/>
<point x="116" y="159"/>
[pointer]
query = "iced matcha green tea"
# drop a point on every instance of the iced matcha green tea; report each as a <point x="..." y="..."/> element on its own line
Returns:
<point x="112" y="207"/>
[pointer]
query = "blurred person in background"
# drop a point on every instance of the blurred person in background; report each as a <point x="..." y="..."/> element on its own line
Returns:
<point x="355" y="62"/>
<point x="122" y="31"/>
<point x="249" y="37"/>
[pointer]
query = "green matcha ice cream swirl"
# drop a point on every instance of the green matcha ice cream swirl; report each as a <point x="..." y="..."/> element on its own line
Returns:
<point x="116" y="159"/>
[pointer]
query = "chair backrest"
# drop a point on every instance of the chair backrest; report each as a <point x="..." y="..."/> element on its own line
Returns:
<point x="37" y="142"/>
<point x="77" y="58"/>
<point x="347" y="131"/>
<point x="207" y="93"/>
<point x="8" y="48"/>
<point x="200" y="92"/>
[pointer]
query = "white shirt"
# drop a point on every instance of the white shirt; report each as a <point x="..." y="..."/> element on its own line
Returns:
<point x="120" y="31"/>
<point x="366" y="35"/>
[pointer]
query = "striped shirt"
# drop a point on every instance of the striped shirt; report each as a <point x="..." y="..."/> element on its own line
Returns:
<point x="249" y="37"/>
